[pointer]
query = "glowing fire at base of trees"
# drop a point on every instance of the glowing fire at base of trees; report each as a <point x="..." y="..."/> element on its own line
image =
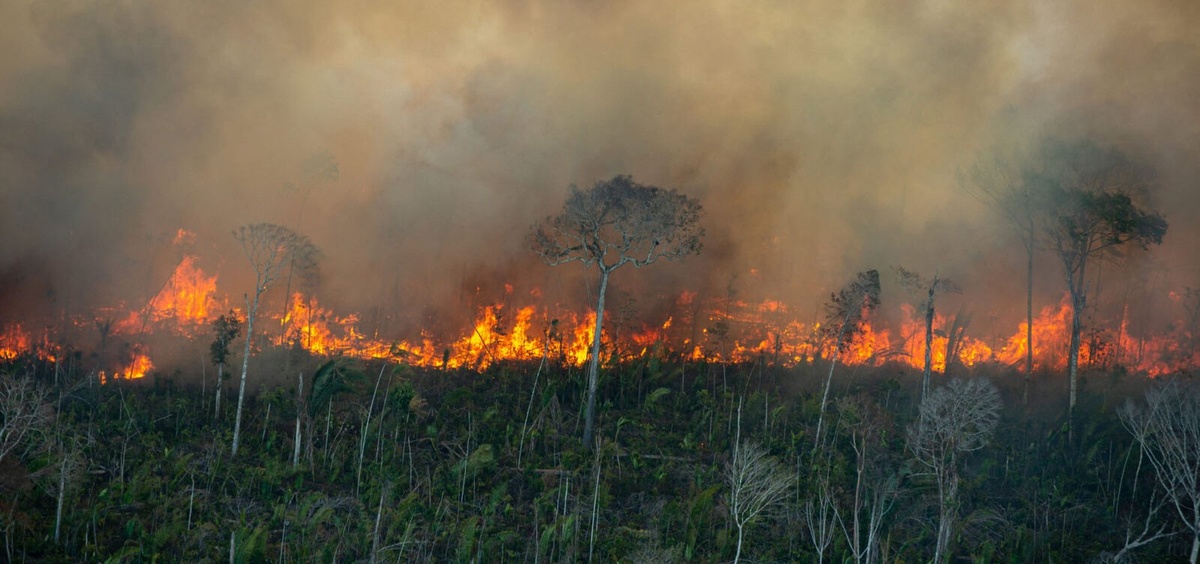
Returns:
<point x="726" y="331"/>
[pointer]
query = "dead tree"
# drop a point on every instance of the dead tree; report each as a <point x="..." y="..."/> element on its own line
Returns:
<point x="955" y="419"/>
<point x="614" y="223"/>
<point x="269" y="248"/>
<point x="844" y="316"/>
<point x="757" y="481"/>
<point x="916" y="284"/>
<point x="1168" y="431"/>
<point x="1004" y="183"/>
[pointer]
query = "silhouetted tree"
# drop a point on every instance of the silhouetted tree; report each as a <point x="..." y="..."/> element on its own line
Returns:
<point x="1005" y="183"/>
<point x="915" y="283"/>
<point x="614" y="223"/>
<point x="269" y="248"/>
<point x="844" y="315"/>
<point x="1093" y="214"/>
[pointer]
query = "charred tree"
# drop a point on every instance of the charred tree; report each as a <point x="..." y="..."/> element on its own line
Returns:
<point x="269" y="248"/>
<point x="614" y="223"/>
<point x="917" y="284"/>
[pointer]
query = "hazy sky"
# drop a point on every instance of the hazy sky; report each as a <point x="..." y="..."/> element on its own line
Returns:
<point x="822" y="137"/>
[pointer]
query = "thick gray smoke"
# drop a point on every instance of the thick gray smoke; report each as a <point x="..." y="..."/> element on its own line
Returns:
<point x="822" y="137"/>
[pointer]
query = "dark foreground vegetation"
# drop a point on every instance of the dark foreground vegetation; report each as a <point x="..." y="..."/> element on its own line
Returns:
<point x="396" y="463"/>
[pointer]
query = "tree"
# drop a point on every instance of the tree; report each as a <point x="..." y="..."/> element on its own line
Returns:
<point x="953" y="420"/>
<point x="915" y="283"/>
<point x="614" y="223"/>
<point x="226" y="329"/>
<point x="844" y="315"/>
<point x="269" y="248"/>
<point x="1168" y="431"/>
<point x="757" y="481"/>
<point x="1006" y="185"/>
<point x="1092" y="215"/>
<point x="24" y="416"/>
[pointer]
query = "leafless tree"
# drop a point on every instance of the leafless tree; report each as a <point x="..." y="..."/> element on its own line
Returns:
<point x="1003" y="183"/>
<point x="954" y="419"/>
<point x="844" y="315"/>
<point x="820" y="515"/>
<point x="269" y="248"/>
<point x="25" y="415"/>
<point x="1168" y="430"/>
<point x="864" y="424"/>
<point x="1135" y="538"/>
<point x="757" y="481"/>
<point x="915" y="283"/>
<point x="614" y="223"/>
<point x="1092" y="215"/>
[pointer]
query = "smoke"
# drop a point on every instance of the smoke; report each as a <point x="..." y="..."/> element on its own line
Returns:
<point x="822" y="137"/>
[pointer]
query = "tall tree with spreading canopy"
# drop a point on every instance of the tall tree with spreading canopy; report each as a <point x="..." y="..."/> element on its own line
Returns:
<point x="1093" y="215"/>
<point x="844" y="316"/>
<point x="614" y="223"/>
<point x="269" y="248"/>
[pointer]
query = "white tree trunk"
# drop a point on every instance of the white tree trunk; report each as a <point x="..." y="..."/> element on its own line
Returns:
<point x="237" y="425"/>
<point x="594" y="368"/>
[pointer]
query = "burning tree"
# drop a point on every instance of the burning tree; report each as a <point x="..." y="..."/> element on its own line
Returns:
<point x="1093" y="215"/>
<point x="269" y="248"/>
<point x="844" y="315"/>
<point x="614" y="223"/>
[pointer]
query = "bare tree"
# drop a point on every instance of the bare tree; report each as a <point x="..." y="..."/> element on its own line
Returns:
<point x="614" y="223"/>
<point x="865" y="424"/>
<point x="269" y="248"/>
<point x="1003" y="183"/>
<point x="844" y="315"/>
<point x="954" y="419"/>
<point x="915" y="283"/>
<point x="757" y="481"/>
<point x="820" y="515"/>
<point x="24" y="415"/>
<point x="1168" y="430"/>
<point x="1093" y="215"/>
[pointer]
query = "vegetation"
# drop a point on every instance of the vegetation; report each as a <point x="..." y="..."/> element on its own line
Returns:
<point x="405" y="464"/>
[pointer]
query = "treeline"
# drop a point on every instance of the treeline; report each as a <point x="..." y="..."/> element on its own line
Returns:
<point x="692" y="462"/>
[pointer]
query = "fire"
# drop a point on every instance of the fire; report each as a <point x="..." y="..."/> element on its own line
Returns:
<point x="187" y="298"/>
<point x="137" y="368"/>
<point x="694" y="328"/>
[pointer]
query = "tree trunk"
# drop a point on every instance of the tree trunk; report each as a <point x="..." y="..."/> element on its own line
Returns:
<point x="237" y="425"/>
<point x="837" y="348"/>
<point x="594" y="367"/>
<point x="62" y="494"/>
<point x="220" y="380"/>
<point x="929" y="345"/>
<point x="738" y="555"/>
<point x="1195" y="547"/>
<point x="1028" y="317"/>
<point x="299" y="414"/>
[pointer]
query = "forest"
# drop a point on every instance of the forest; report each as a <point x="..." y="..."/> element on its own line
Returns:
<point x="384" y="461"/>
